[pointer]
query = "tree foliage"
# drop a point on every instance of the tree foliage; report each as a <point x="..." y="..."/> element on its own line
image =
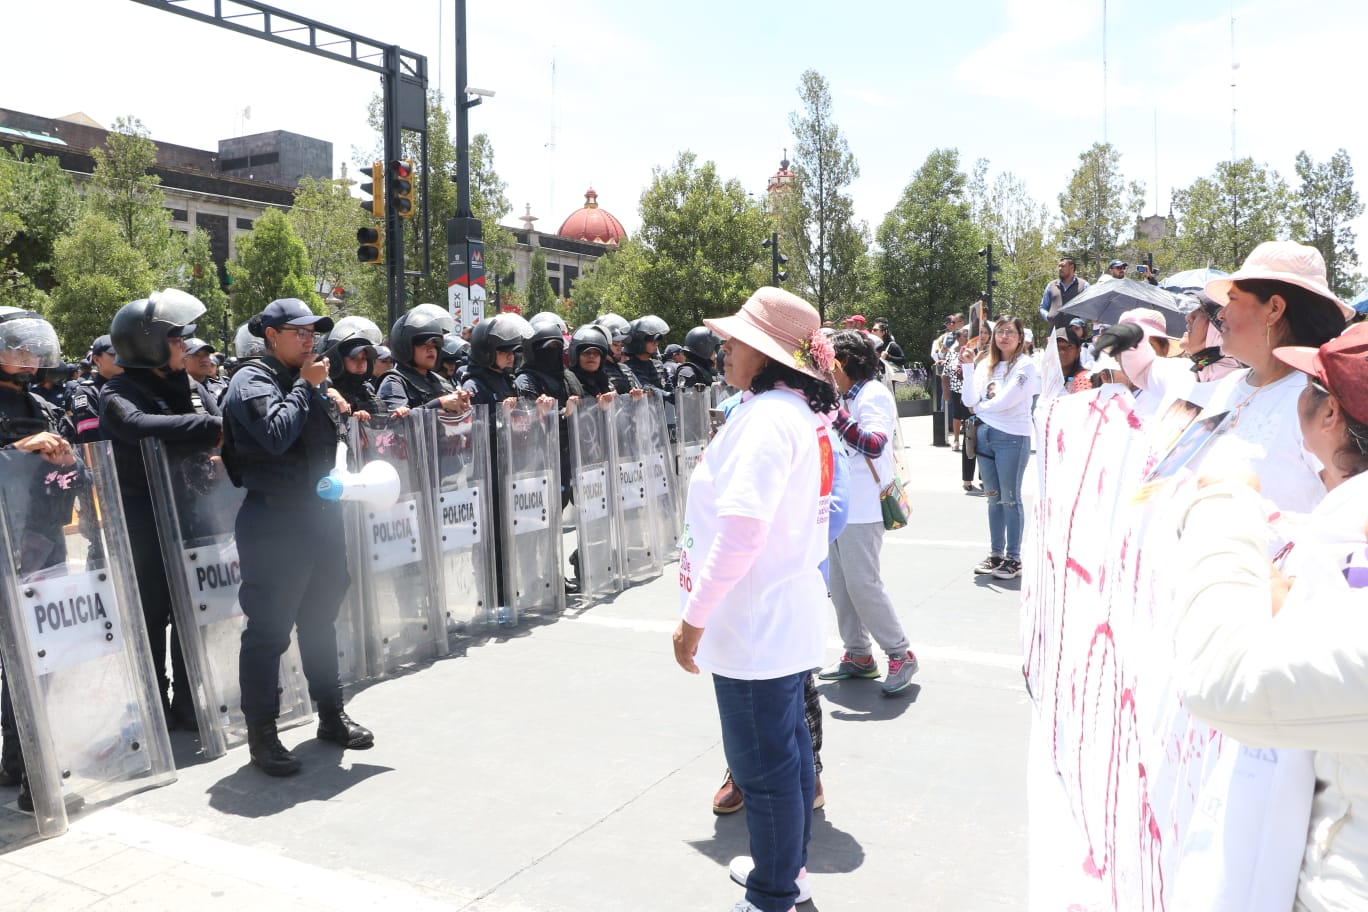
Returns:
<point x="1326" y="205"/>
<point x="325" y="217"/>
<point x="124" y="190"/>
<point x="97" y="271"/>
<point x="1098" y="209"/>
<point x="540" y="296"/>
<point x="1223" y="217"/>
<point x="271" y="263"/>
<point x="39" y="203"/>
<point x="611" y="285"/>
<point x="1024" y="245"/>
<point x="201" y="279"/>
<point x="928" y="263"/>
<point x="819" y="232"/>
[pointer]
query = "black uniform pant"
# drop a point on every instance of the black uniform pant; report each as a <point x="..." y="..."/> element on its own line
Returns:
<point x="294" y="574"/>
<point x="155" y="592"/>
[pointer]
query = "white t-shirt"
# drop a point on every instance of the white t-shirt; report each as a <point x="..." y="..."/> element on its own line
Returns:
<point x="873" y="409"/>
<point x="1266" y="436"/>
<point x="772" y="461"/>
<point x="1002" y="398"/>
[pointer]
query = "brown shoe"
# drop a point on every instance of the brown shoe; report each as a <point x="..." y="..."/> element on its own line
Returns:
<point x="818" y="799"/>
<point x="728" y="799"/>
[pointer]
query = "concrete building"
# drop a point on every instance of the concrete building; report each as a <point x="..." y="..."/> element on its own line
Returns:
<point x="586" y="234"/>
<point x="222" y="192"/>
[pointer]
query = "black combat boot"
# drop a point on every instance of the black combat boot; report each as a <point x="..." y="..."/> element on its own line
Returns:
<point x="11" y="761"/>
<point x="267" y="751"/>
<point x="336" y="726"/>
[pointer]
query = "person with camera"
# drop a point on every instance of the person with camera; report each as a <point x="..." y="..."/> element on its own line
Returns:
<point x="280" y="437"/>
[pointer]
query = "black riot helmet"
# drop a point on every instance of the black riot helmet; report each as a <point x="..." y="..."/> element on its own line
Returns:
<point x="421" y="324"/>
<point x="141" y="329"/>
<point x="645" y="329"/>
<point x="501" y="332"/>
<point x="247" y="344"/>
<point x="591" y="336"/>
<point x="618" y="327"/>
<point x="28" y="343"/>
<point x="548" y="316"/>
<point x="349" y="335"/>
<point x="455" y="350"/>
<point x="701" y="343"/>
<point x="547" y="330"/>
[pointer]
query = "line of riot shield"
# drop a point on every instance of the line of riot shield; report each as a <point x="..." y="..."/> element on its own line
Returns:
<point x="692" y="405"/>
<point x="464" y="514"/>
<point x="593" y="462"/>
<point x="196" y="507"/>
<point x="639" y="558"/>
<point x="73" y="641"/>
<point x="660" y="486"/>
<point x="530" y="509"/>
<point x="396" y="569"/>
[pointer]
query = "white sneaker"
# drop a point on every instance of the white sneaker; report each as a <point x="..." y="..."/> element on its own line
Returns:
<point x="745" y="906"/>
<point x="742" y="865"/>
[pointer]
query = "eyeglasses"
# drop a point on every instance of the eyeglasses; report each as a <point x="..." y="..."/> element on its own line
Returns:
<point x="1007" y="333"/>
<point x="302" y="333"/>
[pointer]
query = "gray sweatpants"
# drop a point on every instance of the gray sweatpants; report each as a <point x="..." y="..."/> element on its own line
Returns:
<point x="863" y="608"/>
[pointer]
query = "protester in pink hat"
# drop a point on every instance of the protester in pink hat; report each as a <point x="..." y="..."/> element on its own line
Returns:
<point x="753" y="599"/>
<point x="1273" y="656"/>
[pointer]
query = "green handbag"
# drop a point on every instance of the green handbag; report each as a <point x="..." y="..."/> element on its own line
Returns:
<point x="892" y="500"/>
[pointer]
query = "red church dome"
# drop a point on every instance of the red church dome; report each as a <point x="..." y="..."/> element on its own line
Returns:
<point x="593" y="224"/>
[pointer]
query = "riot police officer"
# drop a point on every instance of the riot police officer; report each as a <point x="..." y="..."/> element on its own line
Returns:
<point x="30" y="424"/>
<point x="350" y="350"/>
<point x="155" y="397"/>
<point x="453" y="357"/>
<point x="700" y="348"/>
<point x="280" y="437"/>
<point x="642" y="347"/>
<point x="85" y="398"/>
<point x="494" y="345"/>
<point x="199" y="364"/>
<point x="590" y="350"/>
<point x="621" y="376"/>
<point x="415" y="340"/>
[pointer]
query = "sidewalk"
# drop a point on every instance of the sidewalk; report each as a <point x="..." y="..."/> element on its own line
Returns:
<point x="568" y="765"/>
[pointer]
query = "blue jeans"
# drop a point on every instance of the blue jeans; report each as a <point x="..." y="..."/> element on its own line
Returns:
<point x="769" y="750"/>
<point x="1002" y="465"/>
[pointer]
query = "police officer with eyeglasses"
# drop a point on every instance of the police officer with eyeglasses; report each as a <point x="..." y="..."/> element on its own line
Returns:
<point x="280" y="437"/>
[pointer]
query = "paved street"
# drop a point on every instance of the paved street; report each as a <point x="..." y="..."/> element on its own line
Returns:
<point x="568" y="766"/>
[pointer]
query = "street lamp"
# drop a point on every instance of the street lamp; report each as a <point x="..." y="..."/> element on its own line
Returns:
<point x="987" y="253"/>
<point x="777" y="259"/>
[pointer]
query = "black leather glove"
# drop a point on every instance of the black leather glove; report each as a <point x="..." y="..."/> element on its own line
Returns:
<point x="1118" y="338"/>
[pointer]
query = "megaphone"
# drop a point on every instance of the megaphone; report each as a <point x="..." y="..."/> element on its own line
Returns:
<point x="376" y="485"/>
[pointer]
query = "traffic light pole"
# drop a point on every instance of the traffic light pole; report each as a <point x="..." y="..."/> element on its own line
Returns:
<point x="394" y="225"/>
<point x="465" y="234"/>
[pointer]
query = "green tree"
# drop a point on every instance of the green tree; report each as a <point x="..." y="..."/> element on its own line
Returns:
<point x="1099" y="208"/>
<point x="201" y="279"/>
<point x="820" y="235"/>
<point x="97" y="271"/>
<point x="1223" y="217"/>
<point x="540" y="296"/>
<point x="928" y="263"/>
<point x="1024" y="246"/>
<point x="325" y="217"/>
<point x="124" y="190"/>
<point x="39" y="203"/>
<point x="611" y="285"/>
<point x="271" y="263"/>
<point x="1326" y="205"/>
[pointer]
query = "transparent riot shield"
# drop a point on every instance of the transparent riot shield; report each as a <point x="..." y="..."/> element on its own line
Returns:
<point x="196" y="508"/>
<point x="464" y="513"/>
<point x="639" y="558"/>
<point x="661" y="484"/>
<point x="593" y="462"/>
<point x="530" y="509"/>
<point x="73" y="641"/>
<point x="396" y="569"/>
<point x="692" y="407"/>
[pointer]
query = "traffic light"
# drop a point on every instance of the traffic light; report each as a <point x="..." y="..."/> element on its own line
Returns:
<point x="370" y="245"/>
<point x="401" y="187"/>
<point x="376" y="188"/>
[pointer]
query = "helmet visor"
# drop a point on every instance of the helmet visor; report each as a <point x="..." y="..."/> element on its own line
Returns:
<point x="28" y="341"/>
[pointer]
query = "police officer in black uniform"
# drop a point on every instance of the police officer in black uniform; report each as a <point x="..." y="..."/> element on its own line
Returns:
<point x="280" y="437"/>
<point x="621" y="376"/>
<point x="85" y="398"/>
<point x="350" y="350"/>
<point x="155" y="397"/>
<point x="415" y="382"/>
<point x="590" y="349"/>
<point x="29" y="424"/>
<point x="199" y="364"/>
<point x="700" y="348"/>
<point x="642" y="347"/>
<point x="453" y="357"/>
<point x="494" y="345"/>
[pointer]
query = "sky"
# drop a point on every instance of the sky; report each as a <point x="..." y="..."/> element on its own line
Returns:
<point x="1017" y="82"/>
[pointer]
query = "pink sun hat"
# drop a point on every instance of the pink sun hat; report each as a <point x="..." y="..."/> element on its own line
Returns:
<point x="783" y="327"/>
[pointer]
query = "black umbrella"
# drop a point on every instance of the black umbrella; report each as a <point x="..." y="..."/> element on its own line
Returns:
<point x="1106" y="302"/>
